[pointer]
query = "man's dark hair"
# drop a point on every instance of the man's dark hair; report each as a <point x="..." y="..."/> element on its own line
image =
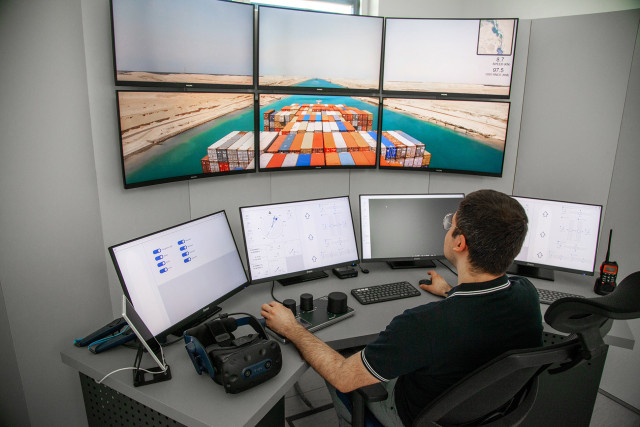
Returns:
<point x="494" y="226"/>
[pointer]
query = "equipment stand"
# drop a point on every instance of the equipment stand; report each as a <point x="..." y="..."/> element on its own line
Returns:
<point x="157" y="375"/>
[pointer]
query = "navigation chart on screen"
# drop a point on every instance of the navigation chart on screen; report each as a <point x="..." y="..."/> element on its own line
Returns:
<point x="293" y="237"/>
<point x="560" y="234"/>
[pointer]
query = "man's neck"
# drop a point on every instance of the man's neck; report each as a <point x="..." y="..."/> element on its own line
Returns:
<point x="476" y="277"/>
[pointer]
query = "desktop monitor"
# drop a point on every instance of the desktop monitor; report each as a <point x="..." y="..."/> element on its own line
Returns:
<point x="562" y="236"/>
<point x="174" y="136"/>
<point x="177" y="276"/>
<point x="297" y="241"/>
<point x="301" y="49"/>
<point x="317" y="131"/>
<point x="405" y="229"/>
<point x="472" y="57"/>
<point x="444" y="135"/>
<point x="187" y="43"/>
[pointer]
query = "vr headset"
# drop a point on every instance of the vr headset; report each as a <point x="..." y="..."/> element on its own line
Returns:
<point x="235" y="363"/>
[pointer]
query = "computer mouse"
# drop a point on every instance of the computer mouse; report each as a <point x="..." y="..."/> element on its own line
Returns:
<point x="425" y="282"/>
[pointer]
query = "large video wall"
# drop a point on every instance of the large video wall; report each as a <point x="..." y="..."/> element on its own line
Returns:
<point x="214" y="87"/>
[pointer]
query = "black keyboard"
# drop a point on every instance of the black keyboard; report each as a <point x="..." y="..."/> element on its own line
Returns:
<point x="547" y="296"/>
<point x="385" y="292"/>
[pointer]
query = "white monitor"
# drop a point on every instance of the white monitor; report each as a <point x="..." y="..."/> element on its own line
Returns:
<point x="562" y="236"/>
<point x="177" y="276"/>
<point x="295" y="239"/>
<point x="405" y="229"/>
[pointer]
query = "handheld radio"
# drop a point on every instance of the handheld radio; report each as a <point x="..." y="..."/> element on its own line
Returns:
<point x="606" y="283"/>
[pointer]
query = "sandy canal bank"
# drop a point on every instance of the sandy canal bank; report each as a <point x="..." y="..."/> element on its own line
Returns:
<point x="149" y="118"/>
<point x="482" y="121"/>
<point x="145" y="76"/>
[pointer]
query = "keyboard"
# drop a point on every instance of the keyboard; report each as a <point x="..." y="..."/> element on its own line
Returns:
<point x="547" y="296"/>
<point x="384" y="292"/>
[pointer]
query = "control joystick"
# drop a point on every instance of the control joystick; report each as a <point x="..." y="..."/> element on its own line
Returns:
<point x="337" y="303"/>
<point x="306" y="302"/>
<point x="290" y="304"/>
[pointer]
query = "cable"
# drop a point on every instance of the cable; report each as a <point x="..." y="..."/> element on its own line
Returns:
<point x="273" y="284"/>
<point x="447" y="267"/>
<point x="132" y="368"/>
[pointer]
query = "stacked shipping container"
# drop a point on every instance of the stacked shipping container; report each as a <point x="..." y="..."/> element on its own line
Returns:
<point x="317" y="135"/>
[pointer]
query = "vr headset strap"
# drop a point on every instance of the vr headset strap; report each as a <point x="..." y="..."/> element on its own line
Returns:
<point x="219" y="332"/>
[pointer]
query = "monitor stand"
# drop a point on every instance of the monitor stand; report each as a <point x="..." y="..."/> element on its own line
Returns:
<point x="529" y="271"/>
<point x="424" y="263"/>
<point x="303" y="278"/>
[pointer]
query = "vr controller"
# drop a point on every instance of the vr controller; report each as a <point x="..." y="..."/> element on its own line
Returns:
<point x="235" y="363"/>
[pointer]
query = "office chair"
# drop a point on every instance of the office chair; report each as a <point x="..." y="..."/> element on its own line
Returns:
<point x="503" y="391"/>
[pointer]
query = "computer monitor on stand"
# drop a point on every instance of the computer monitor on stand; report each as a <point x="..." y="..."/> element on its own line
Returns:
<point x="176" y="277"/>
<point x="405" y="230"/>
<point x="562" y="236"/>
<point x="296" y="241"/>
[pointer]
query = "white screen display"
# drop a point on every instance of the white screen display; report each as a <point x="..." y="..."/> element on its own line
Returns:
<point x="405" y="226"/>
<point x="287" y="238"/>
<point x="561" y="234"/>
<point x="171" y="274"/>
<point x="472" y="56"/>
<point x="314" y="49"/>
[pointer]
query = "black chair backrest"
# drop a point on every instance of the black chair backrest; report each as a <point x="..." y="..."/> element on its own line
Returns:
<point x="490" y="387"/>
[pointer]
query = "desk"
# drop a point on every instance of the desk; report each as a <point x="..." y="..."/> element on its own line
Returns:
<point x="195" y="400"/>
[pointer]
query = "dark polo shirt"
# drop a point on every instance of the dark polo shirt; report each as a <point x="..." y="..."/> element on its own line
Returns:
<point x="432" y="346"/>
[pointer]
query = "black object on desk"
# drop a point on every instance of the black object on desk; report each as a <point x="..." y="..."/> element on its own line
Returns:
<point x="384" y="292"/>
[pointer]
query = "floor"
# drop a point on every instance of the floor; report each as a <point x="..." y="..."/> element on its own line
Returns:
<point x="606" y="413"/>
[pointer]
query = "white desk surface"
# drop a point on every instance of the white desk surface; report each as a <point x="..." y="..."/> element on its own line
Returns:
<point x="195" y="400"/>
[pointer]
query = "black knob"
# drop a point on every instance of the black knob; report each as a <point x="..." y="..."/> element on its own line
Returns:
<point x="306" y="302"/>
<point x="337" y="303"/>
<point x="290" y="304"/>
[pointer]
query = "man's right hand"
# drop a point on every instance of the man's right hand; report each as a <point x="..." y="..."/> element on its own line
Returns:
<point x="438" y="285"/>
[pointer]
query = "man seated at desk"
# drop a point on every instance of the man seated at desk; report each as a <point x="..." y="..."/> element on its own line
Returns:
<point x="426" y="349"/>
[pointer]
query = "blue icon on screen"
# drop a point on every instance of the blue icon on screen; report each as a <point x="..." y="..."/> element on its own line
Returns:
<point x="159" y="257"/>
<point x="181" y="242"/>
<point x="164" y="270"/>
<point x="160" y="264"/>
<point x="187" y="259"/>
<point x="185" y="254"/>
<point x="183" y="248"/>
<point x="157" y="251"/>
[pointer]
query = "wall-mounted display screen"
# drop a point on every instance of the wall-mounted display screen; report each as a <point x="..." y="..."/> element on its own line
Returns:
<point x="315" y="131"/>
<point x="461" y="56"/>
<point x="187" y="42"/>
<point x="170" y="136"/>
<point x="299" y="48"/>
<point x="444" y="135"/>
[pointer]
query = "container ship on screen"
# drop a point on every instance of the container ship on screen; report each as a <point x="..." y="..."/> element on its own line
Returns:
<point x="315" y="135"/>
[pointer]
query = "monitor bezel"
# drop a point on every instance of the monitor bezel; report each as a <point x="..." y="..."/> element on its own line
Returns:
<point x="401" y="195"/>
<point x="316" y="89"/>
<point x="187" y="177"/>
<point x="208" y="309"/>
<point x="559" y="268"/>
<point x="442" y="170"/>
<point x="375" y="126"/>
<point x="186" y="85"/>
<point x="300" y="272"/>
<point x="456" y="95"/>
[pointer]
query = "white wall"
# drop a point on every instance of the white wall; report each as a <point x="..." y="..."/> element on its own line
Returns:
<point x="62" y="201"/>
<point x="52" y="269"/>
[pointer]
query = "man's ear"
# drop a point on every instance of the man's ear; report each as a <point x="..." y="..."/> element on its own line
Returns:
<point x="460" y="243"/>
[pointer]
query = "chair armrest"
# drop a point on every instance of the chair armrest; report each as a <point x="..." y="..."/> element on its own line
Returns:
<point x="372" y="393"/>
<point x="359" y="397"/>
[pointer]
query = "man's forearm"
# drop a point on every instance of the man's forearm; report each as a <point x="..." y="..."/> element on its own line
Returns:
<point x="325" y="360"/>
